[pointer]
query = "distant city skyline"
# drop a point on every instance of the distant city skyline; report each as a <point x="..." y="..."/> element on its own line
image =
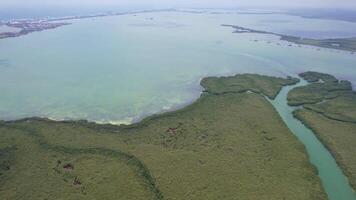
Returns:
<point x="187" y="3"/>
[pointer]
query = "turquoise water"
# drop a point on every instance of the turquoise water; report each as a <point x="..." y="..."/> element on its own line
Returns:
<point x="333" y="180"/>
<point x="119" y="69"/>
<point x="122" y="68"/>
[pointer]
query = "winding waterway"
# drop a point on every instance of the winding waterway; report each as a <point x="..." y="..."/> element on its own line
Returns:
<point x="334" y="181"/>
<point x="117" y="69"/>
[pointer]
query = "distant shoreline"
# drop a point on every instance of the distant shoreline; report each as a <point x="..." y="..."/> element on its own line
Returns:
<point x="30" y="25"/>
<point x="345" y="44"/>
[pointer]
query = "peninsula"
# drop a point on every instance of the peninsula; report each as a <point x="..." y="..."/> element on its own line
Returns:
<point x="229" y="144"/>
<point x="28" y="26"/>
<point x="346" y="44"/>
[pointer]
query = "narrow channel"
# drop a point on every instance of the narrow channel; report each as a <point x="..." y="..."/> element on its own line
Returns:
<point x="333" y="180"/>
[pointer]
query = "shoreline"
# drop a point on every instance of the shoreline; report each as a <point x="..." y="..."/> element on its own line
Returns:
<point x="206" y="92"/>
<point x="334" y="154"/>
<point x="144" y="117"/>
<point x="304" y="112"/>
<point x="35" y="25"/>
<point x="125" y="121"/>
<point x="28" y="26"/>
<point x="344" y="44"/>
<point x="195" y="129"/>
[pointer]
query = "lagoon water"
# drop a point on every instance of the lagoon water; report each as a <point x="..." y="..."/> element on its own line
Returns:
<point x="118" y="69"/>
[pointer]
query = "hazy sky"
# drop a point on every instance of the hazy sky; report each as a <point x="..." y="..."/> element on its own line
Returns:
<point x="187" y="3"/>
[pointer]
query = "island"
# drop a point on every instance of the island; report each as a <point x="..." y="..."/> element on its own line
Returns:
<point x="329" y="109"/>
<point x="229" y="144"/>
<point x="29" y="26"/>
<point x="346" y="44"/>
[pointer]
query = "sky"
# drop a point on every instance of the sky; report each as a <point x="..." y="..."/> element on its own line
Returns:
<point x="187" y="3"/>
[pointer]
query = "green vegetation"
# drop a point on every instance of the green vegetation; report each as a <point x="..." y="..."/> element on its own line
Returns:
<point x="220" y="147"/>
<point x="346" y="44"/>
<point x="5" y="158"/>
<point x="339" y="137"/>
<point x="332" y="120"/>
<point x="269" y="86"/>
<point x="317" y="76"/>
<point x="325" y="88"/>
<point x="342" y="108"/>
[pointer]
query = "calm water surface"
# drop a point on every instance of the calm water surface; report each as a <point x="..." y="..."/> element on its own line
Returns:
<point x="334" y="182"/>
<point x="4" y="28"/>
<point x="118" y="69"/>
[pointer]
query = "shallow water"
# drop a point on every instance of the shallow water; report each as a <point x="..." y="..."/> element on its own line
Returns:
<point x="334" y="181"/>
<point x="118" y="69"/>
<point x="5" y="28"/>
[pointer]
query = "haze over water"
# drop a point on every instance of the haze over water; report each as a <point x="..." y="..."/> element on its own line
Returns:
<point x="118" y="69"/>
